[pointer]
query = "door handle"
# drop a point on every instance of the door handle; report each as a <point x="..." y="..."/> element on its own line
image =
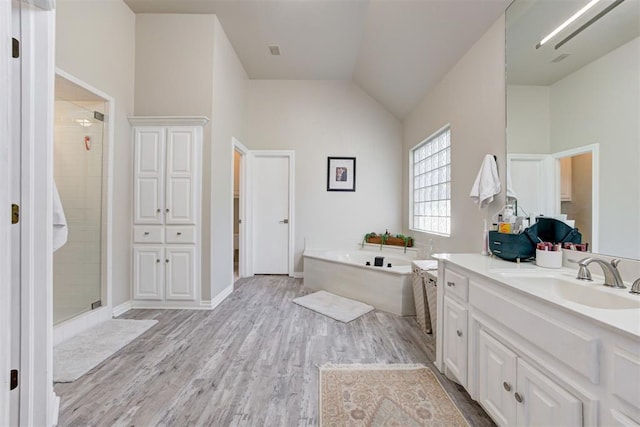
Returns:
<point x="284" y="221"/>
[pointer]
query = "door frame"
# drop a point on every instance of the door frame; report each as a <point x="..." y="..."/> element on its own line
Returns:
<point x="244" y="250"/>
<point x="594" y="149"/>
<point x="84" y="321"/>
<point x="290" y="155"/>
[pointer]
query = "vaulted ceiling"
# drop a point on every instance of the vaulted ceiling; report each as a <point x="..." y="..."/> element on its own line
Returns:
<point x="395" y="50"/>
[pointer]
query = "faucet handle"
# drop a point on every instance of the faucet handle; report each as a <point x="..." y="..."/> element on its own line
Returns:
<point x="584" y="273"/>
<point x="635" y="288"/>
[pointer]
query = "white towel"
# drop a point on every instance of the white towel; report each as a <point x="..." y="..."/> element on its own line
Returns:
<point x="60" y="229"/>
<point x="487" y="182"/>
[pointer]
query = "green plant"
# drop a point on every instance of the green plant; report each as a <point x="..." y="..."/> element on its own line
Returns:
<point x="366" y="238"/>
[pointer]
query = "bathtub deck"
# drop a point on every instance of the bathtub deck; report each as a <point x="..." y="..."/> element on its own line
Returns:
<point x="250" y="362"/>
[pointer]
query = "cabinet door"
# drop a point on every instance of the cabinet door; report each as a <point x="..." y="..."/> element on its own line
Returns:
<point x="181" y="181"/>
<point x="543" y="402"/>
<point x="496" y="379"/>
<point x="180" y="273"/>
<point x="148" y="175"/>
<point x="455" y="340"/>
<point x="147" y="269"/>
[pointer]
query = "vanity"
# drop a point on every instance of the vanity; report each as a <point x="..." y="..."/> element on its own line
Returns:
<point x="536" y="346"/>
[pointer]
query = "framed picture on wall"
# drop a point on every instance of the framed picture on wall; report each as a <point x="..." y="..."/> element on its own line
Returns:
<point x="341" y="174"/>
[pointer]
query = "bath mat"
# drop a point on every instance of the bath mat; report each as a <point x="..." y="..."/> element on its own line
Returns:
<point x="78" y="355"/>
<point x="334" y="306"/>
<point x="385" y="395"/>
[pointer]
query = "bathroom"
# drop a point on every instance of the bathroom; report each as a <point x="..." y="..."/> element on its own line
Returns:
<point x="346" y="121"/>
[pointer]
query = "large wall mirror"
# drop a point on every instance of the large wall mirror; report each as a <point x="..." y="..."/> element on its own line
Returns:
<point x="573" y="116"/>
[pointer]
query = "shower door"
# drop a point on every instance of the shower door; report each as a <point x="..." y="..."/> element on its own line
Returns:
<point x="78" y="175"/>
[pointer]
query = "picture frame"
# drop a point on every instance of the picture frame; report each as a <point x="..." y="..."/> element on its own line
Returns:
<point x="341" y="174"/>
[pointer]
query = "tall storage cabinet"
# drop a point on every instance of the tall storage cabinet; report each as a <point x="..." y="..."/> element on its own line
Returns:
<point x="167" y="182"/>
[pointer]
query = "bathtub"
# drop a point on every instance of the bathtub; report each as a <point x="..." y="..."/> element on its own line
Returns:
<point x="345" y="273"/>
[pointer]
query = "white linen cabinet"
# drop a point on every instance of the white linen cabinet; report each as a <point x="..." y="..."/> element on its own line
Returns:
<point x="167" y="182"/>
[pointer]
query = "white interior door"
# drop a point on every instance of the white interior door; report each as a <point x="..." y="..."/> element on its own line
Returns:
<point x="271" y="210"/>
<point x="533" y="179"/>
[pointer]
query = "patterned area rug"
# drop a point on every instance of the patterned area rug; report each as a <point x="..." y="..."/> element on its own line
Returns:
<point x="384" y="395"/>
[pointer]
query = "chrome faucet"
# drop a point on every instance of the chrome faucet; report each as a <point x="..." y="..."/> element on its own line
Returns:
<point x="611" y="274"/>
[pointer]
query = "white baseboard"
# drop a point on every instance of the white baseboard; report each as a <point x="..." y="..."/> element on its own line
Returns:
<point x="218" y="299"/>
<point x="298" y="275"/>
<point x="121" y="309"/>
<point x="55" y="409"/>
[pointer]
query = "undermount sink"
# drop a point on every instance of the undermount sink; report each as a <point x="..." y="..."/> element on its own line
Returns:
<point x="570" y="289"/>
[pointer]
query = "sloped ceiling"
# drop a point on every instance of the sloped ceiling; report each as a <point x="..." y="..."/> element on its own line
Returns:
<point x="396" y="50"/>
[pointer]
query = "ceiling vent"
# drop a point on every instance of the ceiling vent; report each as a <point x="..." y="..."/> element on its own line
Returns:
<point x="275" y="50"/>
<point x="560" y="57"/>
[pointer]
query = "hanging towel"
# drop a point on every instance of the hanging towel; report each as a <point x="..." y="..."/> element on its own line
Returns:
<point x="60" y="229"/>
<point x="487" y="182"/>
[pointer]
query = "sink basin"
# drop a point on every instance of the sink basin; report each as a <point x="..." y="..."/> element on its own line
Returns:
<point x="570" y="289"/>
<point x="593" y="297"/>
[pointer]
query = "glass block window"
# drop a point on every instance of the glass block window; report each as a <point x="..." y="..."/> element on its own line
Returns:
<point x="431" y="184"/>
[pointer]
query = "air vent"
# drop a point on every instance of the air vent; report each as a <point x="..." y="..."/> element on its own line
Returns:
<point x="275" y="50"/>
<point x="560" y="57"/>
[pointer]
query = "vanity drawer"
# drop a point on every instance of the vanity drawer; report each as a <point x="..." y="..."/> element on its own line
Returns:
<point x="456" y="284"/>
<point x="147" y="234"/>
<point x="180" y="234"/>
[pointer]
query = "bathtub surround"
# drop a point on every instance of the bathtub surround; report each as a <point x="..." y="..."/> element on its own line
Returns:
<point x="343" y="309"/>
<point x="78" y="355"/>
<point x="393" y="394"/>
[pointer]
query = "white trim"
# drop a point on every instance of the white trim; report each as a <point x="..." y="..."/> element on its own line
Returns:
<point x="291" y="155"/>
<point x="79" y="324"/>
<point x="220" y="297"/>
<point x="121" y="309"/>
<point x="175" y="305"/>
<point x="298" y="275"/>
<point x="168" y="120"/>
<point x="107" y="200"/>
<point x="594" y="149"/>
<point x="244" y="245"/>
<point x="5" y="179"/>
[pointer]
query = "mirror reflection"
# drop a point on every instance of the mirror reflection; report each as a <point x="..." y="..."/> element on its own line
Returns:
<point x="573" y="116"/>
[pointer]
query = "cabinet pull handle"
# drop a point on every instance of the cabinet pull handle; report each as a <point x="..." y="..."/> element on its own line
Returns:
<point x="146" y="233"/>
<point x="497" y="243"/>
<point x="450" y="284"/>
<point x="506" y="386"/>
<point x="459" y="332"/>
<point x="179" y="233"/>
<point x="519" y="398"/>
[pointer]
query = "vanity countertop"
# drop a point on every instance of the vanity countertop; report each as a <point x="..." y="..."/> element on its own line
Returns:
<point x="548" y="285"/>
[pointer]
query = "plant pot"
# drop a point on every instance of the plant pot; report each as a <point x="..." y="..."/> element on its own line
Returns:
<point x="392" y="241"/>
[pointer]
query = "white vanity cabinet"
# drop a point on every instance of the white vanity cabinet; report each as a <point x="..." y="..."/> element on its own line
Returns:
<point x="527" y="357"/>
<point x="167" y="155"/>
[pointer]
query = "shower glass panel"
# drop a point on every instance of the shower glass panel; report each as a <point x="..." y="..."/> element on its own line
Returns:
<point x="78" y="174"/>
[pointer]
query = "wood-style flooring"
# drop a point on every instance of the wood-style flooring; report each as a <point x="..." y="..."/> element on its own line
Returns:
<point x="250" y="362"/>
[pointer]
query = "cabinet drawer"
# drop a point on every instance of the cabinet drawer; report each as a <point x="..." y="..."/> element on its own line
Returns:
<point x="456" y="284"/>
<point x="148" y="234"/>
<point x="180" y="234"/>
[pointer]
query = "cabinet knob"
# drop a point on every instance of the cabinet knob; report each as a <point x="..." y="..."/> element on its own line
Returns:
<point x="166" y="261"/>
<point x="506" y="386"/>
<point x="146" y="233"/>
<point x="179" y="233"/>
<point x="451" y="284"/>
<point x="519" y="398"/>
<point x="157" y="261"/>
<point x="158" y="210"/>
<point x="459" y="332"/>
<point x="167" y="210"/>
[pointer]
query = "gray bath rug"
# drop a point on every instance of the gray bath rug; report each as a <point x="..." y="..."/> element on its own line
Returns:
<point x="78" y="355"/>
<point x="334" y="306"/>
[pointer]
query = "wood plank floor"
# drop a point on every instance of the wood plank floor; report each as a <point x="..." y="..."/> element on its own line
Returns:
<point x="250" y="362"/>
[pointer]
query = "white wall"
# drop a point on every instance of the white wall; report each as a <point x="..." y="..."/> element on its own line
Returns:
<point x="319" y="119"/>
<point x="528" y="119"/>
<point x="95" y="42"/>
<point x="588" y="108"/>
<point x="471" y="98"/>
<point x="230" y="109"/>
